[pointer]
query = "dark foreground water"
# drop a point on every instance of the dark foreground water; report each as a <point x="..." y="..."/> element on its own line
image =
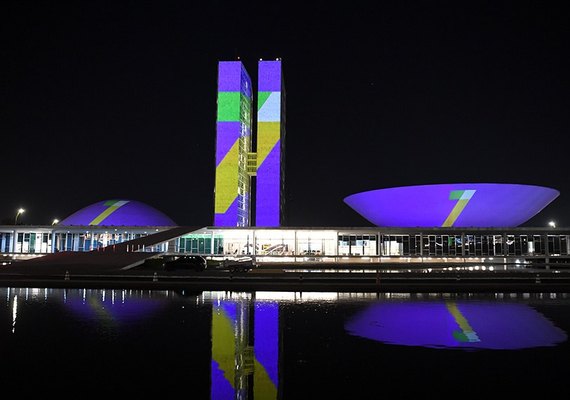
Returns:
<point x="282" y="345"/>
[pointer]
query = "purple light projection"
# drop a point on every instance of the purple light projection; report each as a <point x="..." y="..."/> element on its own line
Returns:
<point x="118" y="213"/>
<point x="454" y="204"/>
<point x="456" y="325"/>
<point x="266" y="334"/>
<point x="230" y="332"/>
<point x="111" y="310"/>
<point x="233" y="122"/>
<point x="270" y="132"/>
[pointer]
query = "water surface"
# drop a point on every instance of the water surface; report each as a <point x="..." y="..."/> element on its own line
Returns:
<point x="282" y="345"/>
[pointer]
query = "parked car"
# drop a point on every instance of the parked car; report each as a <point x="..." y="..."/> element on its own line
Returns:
<point x="196" y="263"/>
<point x="240" y="264"/>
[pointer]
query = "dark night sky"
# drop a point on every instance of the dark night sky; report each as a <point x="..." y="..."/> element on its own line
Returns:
<point x="103" y="100"/>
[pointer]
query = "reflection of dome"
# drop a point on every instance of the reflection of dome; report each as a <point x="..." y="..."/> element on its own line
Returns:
<point x="118" y="213"/>
<point x="454" y="204"/>
<point x="105" y="309"/>
<point x="456" y="325"/>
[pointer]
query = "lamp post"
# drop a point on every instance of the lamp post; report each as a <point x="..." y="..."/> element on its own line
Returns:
<point x="552" y="224"/>
<point x="55" y="221"/>
<point x="20" y="211"/>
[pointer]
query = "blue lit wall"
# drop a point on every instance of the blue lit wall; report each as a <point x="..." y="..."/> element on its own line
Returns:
<point x="270" y="140"/>
<point x="233" y="142"/>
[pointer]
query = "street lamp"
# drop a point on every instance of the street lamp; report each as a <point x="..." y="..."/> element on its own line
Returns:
<point x="20" y="211"/>
<point x="55" y="221"/>
<point x="552" y="224"/>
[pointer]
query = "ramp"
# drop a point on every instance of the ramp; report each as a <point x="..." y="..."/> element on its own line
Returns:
<point x="111" y="258"/>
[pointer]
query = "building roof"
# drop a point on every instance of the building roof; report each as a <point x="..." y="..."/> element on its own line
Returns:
<point x="452" y="205"/>
<point x="118" y="213"/>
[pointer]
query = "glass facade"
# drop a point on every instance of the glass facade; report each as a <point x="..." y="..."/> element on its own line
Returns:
<point x="305" y="244"/>
<point x="26" y="242"/>
<point x="335" y="245"/>
<point x="42" y="240"/>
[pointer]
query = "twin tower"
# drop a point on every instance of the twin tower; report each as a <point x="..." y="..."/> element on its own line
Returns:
<point x="250" y="162"/>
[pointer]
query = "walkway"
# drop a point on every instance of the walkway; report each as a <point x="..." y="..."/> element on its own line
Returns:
<point x="117" y="257"/>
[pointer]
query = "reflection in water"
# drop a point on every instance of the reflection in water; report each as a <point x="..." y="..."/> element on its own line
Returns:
<point x="456" y="324"/>
<point x="112" y="306"/>
<point x="237" y="356"/>
<point x="14" y="312"/>
<point x="231" y="345"/>
<point x="466" y="332"/>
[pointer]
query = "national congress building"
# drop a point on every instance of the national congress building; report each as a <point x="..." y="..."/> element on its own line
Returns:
<point x="447" y="223"/>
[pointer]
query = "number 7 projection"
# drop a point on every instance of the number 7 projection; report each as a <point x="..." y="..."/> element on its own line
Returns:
<point x="462" y="197"/>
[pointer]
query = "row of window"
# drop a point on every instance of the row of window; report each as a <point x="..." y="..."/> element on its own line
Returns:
<point x="474" y="245"/>
<point x="384" y="245"/>
<point x="465" y="245"/>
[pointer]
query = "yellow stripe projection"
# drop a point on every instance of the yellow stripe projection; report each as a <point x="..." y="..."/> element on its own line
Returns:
<point x="101" y="312"/>
<point x="223" y="344"/>
<point x="268" y="134"/>
<point x="227" y="180"/>
<point x="459" y="206"/>
<point x="462" y="321"/>
<point x="263" y="387"/>
<point x="224" y="353"/>
<point x="98" y="219"/>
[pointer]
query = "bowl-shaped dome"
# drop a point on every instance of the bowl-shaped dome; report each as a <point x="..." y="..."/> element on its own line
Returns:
<point x="118" y="213"/>
<point x="454" y="204"/>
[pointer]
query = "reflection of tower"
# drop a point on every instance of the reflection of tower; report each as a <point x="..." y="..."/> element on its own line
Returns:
<point x="236" y="163"/>
<point x="266" y="350"/>
<point x="244" y="360"/>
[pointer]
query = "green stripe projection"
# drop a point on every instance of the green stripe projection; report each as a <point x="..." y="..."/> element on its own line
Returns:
<point x="462" y="197"/>
<point x="114" y="205"/>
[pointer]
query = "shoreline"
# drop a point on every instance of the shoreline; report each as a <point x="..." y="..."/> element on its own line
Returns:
<point x="278" y="280"/>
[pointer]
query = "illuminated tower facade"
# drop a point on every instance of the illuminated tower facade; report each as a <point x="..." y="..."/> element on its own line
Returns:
<point x="269" y="202"/>
<point x="237" y="166"/>
<point x="233" y="144"/>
